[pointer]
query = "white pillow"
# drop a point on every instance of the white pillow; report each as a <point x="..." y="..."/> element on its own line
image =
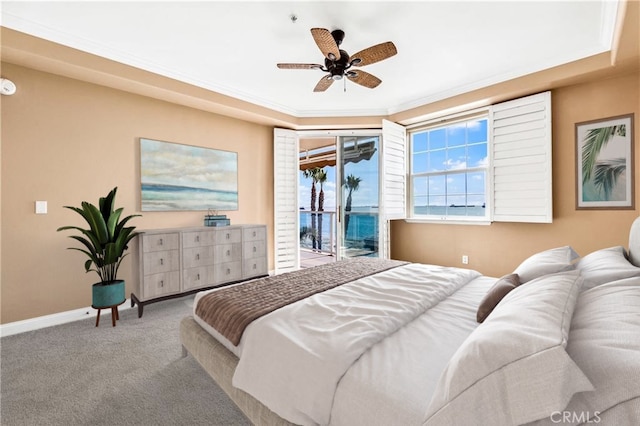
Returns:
<point x="550" y="261"/>
<point x="513" y="368"/>
<point x="606" y="265"/>
<point x="604" y="341"/>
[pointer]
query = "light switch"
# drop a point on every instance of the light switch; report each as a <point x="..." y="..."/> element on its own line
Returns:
<point x="41" y="207"/>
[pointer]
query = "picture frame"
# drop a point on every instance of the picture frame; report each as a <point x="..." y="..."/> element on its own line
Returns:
<point x="177" y="177"/>
<point x="605" y="163"/>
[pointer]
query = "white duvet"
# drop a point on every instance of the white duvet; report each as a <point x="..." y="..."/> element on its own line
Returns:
<point x="293" y="359"/>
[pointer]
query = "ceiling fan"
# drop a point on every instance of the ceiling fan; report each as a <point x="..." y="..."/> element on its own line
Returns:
<point x="338" y="63"/>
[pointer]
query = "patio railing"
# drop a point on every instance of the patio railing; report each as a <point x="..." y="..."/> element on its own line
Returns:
<point x="361" y="238"/>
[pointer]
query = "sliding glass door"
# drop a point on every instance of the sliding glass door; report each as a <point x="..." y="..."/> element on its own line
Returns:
<point x="359" y="174"/>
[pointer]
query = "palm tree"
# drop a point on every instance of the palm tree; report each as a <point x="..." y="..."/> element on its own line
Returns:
<point x="352" y="184"/>
<point x="605" y="173"/>
<point x="321" y="177"/>
<point x="313" y="174"/>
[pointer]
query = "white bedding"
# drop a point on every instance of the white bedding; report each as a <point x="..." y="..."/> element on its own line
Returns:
<point x="426" y="345"/>
<point x="292" y="360"/>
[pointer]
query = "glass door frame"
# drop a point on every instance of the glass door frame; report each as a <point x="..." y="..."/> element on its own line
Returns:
<point x="339" y="207"/>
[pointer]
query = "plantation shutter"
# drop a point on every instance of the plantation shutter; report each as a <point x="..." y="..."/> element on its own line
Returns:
<point x="521" y="159"/>
<point x="393" y="188"/>
<point x="285" y="205"/>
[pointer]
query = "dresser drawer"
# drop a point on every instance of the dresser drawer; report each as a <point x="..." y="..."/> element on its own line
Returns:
<point x="256" y="233"/>
<point x="158" y="285"/>
<point x="227" y="235"/>
<point x="197" y="238"/>
<point x="197" y="256"/>
<point x="161" y="261"/>
<point x="174" y="261"/>
<point x="254" y="249"/>
<point x="254" y="267"/>
<point x="226" y="272"/>
<point x="160" y="242"/>
<point x="223" y="253"/>
<point x="196" y="277"/>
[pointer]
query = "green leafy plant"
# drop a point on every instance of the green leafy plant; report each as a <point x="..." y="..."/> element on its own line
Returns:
<point x="106" y="240"/>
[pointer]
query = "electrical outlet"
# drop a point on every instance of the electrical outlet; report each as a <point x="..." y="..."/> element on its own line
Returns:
<point x="465" y="259"/>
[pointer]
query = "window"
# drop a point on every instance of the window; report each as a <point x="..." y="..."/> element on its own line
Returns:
<point x="485" y="166"/>
<point x="449" y="168"/>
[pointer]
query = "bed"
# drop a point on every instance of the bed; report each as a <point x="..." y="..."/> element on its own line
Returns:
<point x="383" y="342"/>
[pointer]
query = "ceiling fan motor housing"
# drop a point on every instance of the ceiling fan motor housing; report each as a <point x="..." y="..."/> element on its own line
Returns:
<point x="337" y="67"/>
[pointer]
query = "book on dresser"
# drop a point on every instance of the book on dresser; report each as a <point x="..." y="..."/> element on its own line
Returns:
<point x="180" y="261"/>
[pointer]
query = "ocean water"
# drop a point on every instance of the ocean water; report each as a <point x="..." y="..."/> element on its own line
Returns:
<point x="362" y="230"/>
<point x="171" y="197"/>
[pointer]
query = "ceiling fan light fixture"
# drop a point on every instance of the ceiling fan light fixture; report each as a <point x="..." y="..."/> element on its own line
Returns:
<point x="336" y="77"/>
<point x="355" y="61"/>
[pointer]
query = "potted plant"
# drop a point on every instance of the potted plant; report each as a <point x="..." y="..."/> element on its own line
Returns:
<point x="105" y="243"/>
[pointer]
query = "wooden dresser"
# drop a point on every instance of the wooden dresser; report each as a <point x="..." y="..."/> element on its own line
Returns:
<point x="180" y="261"/>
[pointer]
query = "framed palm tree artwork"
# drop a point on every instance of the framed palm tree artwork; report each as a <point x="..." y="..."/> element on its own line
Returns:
<point x="604" y="163"/>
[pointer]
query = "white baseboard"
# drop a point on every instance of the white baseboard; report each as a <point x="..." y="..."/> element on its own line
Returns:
<point x="55" y="319"/>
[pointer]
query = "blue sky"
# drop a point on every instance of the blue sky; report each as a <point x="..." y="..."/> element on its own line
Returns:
<point x="366" y="195"/>
<point x="447" y="149"/>
<point x="450" y="148"/>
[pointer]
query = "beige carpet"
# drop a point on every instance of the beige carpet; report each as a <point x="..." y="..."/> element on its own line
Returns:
<point x="131" y="374"/>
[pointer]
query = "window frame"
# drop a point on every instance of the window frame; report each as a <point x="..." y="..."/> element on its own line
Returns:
<point x="444" y="122"/>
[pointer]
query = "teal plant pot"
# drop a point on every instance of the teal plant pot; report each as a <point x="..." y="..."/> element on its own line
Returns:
<point x="108" y="294"/>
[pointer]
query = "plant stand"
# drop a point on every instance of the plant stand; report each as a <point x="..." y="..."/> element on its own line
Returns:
<point x="114" y="313"/>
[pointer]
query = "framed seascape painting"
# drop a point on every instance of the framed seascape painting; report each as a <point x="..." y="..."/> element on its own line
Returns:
<point x="182" y="177"/>
<point x="604" y="163"/>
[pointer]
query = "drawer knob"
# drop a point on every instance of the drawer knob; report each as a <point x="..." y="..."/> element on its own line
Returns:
<point x="228" y="271"/>
<point x="197" y="256"/>
<point x="228" y="252"/>
<point x="197" y="277"/>
<point x="161" y="283"/>
<point x="161" y="242"/>
<point x="197" y="238"/>
<point x="254" y="233"/>
<point x="255" y="266"/>
<point x="255" y="249"/>
<point x="228" y="236"/>
<point x="161" y="261"/>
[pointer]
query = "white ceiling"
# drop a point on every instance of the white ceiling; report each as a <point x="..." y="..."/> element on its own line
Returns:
<point x="444" y="47"/>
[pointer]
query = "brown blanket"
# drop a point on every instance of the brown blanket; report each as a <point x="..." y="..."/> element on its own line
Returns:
<point x="230" y="310"/>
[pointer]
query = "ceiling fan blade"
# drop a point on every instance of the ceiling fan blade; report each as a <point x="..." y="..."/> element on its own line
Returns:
<point x="326" y="43"/>
<point x="299" y="66"/>
<point x="374" y="54"/>
<point x="324" y="83"/>
<point x="365" y="79"/>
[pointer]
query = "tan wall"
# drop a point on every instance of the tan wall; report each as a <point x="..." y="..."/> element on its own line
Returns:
<point x="65" y="141"/>
<point x="497" y="249"/>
